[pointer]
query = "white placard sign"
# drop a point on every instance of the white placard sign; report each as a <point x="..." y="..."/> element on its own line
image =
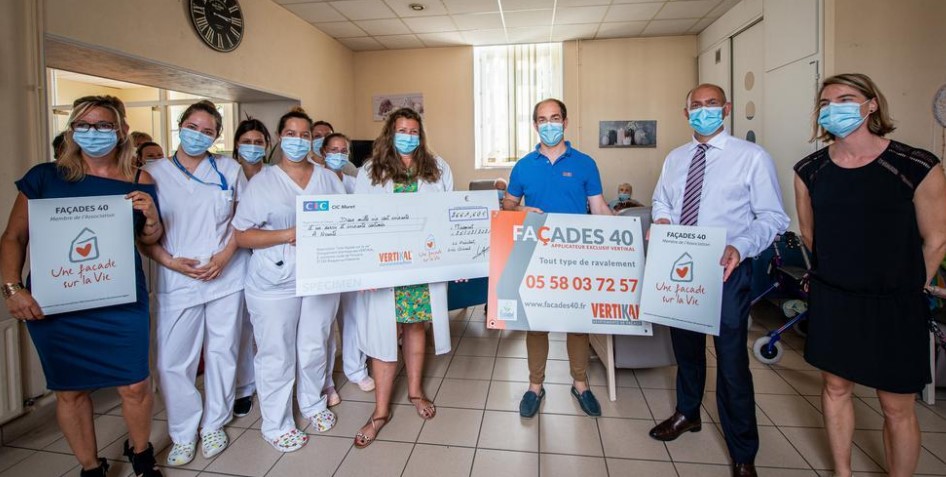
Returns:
<point x="683" y="280"/>
<point x="82" y="252"/>
<point x="365" y="241"/>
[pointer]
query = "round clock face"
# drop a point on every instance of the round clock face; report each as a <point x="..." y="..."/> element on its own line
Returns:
<point x="219" y="23"/>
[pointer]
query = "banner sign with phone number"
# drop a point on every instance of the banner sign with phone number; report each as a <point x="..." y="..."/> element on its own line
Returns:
<point x="566" y="273"/>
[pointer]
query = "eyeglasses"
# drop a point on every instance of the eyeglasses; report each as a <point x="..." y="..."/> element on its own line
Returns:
<point x="101" y="126"/>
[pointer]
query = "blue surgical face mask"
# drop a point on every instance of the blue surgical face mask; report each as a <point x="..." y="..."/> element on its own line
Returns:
<point x="336" y="160"/>
<point x="841" y="119"/>
<point x="406" y="143"/>
<point x="194" y="142"/>
<point x="706" y="121"/>
<point x="95" y="143"/>
<point x="251" y="153"/>
<point x="501" y="194"/>
<point x="624" y="197"/>
<point x="295" y="148"/>
<point x="317" y="145"/>
<point x="551" y="133"/>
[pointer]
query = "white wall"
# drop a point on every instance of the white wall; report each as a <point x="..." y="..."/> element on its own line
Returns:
<point x="794" y="50"/>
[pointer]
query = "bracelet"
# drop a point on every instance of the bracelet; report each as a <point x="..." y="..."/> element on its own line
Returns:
<point x="10" y="289"/>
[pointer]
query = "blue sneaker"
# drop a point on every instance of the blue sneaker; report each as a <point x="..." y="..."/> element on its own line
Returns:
<point x="588" y="402"/>
<point x="529" y="405"/>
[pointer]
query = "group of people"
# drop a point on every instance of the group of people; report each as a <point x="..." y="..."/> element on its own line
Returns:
<point x="222" y="231"/>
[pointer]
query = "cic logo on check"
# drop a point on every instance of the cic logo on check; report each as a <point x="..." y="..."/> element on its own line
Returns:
<point x="315" y="206"/>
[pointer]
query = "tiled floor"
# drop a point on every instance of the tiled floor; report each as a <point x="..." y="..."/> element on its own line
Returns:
<point x="477" y="431"/>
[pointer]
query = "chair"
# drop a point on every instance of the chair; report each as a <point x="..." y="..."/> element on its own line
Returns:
<point x="624" y="351"/>
<point x="483" y="184"/>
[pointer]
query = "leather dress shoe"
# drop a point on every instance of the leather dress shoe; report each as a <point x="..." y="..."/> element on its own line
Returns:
<point x="673" y="427"/>
<point x="743" y="470"/>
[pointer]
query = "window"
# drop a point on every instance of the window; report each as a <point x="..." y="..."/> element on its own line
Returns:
<point x="507" y="82"/>
<point x="151" y="110"/>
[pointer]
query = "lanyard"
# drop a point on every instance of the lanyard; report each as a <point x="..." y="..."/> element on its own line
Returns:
<point x="213" y="164"/>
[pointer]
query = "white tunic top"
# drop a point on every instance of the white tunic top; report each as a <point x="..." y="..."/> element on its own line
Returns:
<point x="269" y="203"/>
<point x="197" y="225"/>
<point x="377" y="334"/>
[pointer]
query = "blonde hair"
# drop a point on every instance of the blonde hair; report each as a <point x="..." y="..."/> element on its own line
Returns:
<point x="879" y="122"/>
<point x="71" y="165"/>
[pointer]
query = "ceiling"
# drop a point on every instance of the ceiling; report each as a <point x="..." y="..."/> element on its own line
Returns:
<point x="392" y="24"/>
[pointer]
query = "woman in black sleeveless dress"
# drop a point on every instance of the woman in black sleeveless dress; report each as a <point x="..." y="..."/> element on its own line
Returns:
<point x="872" y="211"/>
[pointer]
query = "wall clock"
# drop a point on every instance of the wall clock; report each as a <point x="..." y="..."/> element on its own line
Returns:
<point x="218" y="23"/>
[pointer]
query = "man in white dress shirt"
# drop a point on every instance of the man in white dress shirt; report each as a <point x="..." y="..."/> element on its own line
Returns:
<point x="719" y="180"/>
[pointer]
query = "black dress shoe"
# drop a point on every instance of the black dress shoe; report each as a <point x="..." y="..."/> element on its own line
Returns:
<point x="673" y="427"/>
<point x="743" y="470"/>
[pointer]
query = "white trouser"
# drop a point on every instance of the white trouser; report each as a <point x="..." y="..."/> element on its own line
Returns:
<point x="292" y="348"/>
<point x="353" y="358"/>
<point x="182" y="334"/>
<point x="332" y="353"/>
<point x="351" y="308"/>
<point x="246" y="377"/>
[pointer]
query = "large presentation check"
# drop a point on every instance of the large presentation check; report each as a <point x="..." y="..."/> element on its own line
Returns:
<point x="82" y="253"/>
<point x="567" y="273"/>
<point x="684" y="280"/>
<point x="364" y="241"/>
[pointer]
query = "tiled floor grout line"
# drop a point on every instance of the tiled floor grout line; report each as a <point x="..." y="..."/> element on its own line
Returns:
<point x="479" y="433"/>
<point x="654" y="415"/>
<point x="632" y="377"/>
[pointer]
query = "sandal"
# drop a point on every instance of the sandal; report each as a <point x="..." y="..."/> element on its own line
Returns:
<point x="332" y="397"/>
<point x="213" y="443"/>
<point x="362" y="440"/>
<point x="100" y="471"/>
<point x="426" y="410"/>
<point x="289" y="442"/>
<point x="142" y="463"/>
<point x="181" y="454"/>
<point x="323" y="421"/>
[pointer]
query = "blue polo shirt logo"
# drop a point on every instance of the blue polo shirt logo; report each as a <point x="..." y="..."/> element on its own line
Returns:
<point x="567" y="174"/>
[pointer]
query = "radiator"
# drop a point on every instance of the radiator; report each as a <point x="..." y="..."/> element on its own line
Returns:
<point x="11" y="389"/>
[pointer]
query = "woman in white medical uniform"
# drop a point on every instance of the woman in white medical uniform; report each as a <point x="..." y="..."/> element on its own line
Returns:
<point x="402" y="163"/>
<point x="291" y="332"/>
<point x="200" y="285"/>
<point x="251" y="142"/>
<point x="335" y="152"/>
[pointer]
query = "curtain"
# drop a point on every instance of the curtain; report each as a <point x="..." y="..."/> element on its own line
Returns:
<point x="508" y="81"/>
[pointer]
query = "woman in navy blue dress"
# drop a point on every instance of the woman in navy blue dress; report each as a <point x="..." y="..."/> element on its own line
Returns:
<point x="102" y="347"/>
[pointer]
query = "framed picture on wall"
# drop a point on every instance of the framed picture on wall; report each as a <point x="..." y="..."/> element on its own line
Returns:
<point x="384" y="104"/>
<point x="636" y="133"/>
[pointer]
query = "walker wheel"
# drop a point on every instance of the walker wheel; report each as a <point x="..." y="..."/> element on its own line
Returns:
<point x="767" y="353"/>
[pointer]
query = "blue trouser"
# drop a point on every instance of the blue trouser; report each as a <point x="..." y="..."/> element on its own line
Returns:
<point x="734" y="394"/>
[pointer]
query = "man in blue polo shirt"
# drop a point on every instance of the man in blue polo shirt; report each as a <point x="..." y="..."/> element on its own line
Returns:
<point x="555" y="179"/>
